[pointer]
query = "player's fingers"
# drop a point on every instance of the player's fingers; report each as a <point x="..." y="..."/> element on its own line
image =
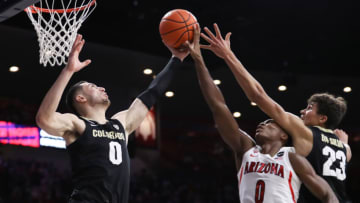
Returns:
<point x="227" y="37"/>
<point x="86" y="62"/>
<point x="76" y="42"/>
<point x="206" y="38"/>
<point x="198" y="27"/>
<point x="80" y="45"/>
<point x="197" y="32"/>
<point x="78" y="38"/>
<point x="188" y="45"/>
<point x="208" y="47"/>
<point x="211" y="35"/>
<point x="217" y="31"/>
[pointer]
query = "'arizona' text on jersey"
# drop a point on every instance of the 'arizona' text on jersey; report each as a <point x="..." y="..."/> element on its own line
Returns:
<point x="263" y="178"/>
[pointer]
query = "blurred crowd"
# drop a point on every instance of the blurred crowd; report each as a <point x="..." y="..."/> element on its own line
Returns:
<point x="33" y="182"/>
<point x="196" y="177"/>
<point x="24" y="181"/>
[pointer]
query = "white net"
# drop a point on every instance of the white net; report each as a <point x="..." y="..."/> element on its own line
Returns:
<point x="57" y="28"/>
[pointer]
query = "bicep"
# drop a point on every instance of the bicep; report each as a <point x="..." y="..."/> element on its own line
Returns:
<point x="132" y="118"/>
<point x="59" y="124"/>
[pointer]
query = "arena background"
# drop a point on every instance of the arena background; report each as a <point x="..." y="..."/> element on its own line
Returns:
<point x="308" y="46"/>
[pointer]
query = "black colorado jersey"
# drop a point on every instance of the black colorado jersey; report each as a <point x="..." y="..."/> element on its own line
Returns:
<point x="100" y="164"/>
<point x="328" y="158"/>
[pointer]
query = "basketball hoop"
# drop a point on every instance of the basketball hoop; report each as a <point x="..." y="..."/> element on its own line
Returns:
<point x="57" y="28"/>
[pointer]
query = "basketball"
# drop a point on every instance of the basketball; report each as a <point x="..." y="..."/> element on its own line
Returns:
<point x="176" y="27"/>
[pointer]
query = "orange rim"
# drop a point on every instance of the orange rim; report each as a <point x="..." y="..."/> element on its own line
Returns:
<point x="34" y="9"/>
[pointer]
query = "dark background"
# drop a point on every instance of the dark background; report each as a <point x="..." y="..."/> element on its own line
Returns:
<point x="311" y="46"/>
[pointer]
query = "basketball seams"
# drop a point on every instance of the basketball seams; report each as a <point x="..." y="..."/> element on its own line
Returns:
<point x="171" y="33"/>
<point x="179" y="29"/>
<point x="171" y="20"/>
<point x="182" y="36"/>
<point x="186" y="26"/>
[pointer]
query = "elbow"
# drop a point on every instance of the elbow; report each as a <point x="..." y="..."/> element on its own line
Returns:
<point x="41" y="120"/>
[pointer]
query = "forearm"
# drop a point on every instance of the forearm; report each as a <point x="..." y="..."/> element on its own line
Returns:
<point x="326" y="195"/>
<point x="158" y="86"/>
<point x="52" y="98"/>
<point x="316" y="184"/>
<point x="226" y="124"/>
<point x="248" y="83"/>
<point x="210" y="91"/>
<point x="329" y="198"/>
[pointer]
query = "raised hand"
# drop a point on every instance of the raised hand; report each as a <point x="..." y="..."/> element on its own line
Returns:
<point x="74" y="64"/>
<point x="194" y="47"/>
<point x="182" y="52"/>
<point x="217" y="44"/>
<point x="342" y="135"/>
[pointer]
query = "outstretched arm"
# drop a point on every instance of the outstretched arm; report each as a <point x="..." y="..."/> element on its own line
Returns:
<point x="302" y="136"/>
<point x="316" y="184"/>
<point x="132" y="118"/>
<point x="229" y="130"/>
<point x="47" y="118"/>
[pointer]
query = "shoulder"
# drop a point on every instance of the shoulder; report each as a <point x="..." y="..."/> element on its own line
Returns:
<point x="78" y="124"/>
<point x="73" y="118"/>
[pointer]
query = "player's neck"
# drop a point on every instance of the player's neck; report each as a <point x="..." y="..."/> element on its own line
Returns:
<point x="271" y="148"/>
<point x="96" y="114"/>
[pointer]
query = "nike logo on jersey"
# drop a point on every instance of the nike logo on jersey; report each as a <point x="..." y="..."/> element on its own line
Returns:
<point x="268" y="168"/>
<point x="255" y="153"/>
<point x="116" y="126"/>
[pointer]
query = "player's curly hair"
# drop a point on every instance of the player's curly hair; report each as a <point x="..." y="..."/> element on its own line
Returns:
<point x="70" y="97"/>
<point x="331" y="106"/>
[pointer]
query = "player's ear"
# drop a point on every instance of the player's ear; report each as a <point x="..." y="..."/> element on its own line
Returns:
<point x="80" y="98"/>
<point x="323" y="119"/>
<point x="284" y="137"/>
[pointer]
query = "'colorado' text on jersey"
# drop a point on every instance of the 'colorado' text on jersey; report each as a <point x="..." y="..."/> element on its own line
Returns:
<point x="100" y="164"/>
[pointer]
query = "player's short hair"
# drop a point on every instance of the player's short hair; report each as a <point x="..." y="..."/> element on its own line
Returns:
<point x="70" y="96"/>
<point x="331" y="106"/>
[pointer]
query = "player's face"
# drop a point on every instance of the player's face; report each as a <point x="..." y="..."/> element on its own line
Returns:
<point x="268" y="130"/>
<point x="310" y="116"/>
<point x="95" y="94"/>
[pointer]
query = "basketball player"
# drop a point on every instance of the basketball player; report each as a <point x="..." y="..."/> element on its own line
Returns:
<point x="267" y="171"/>
<point x="312" y="134"/>
<point x="98" y="145"/>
